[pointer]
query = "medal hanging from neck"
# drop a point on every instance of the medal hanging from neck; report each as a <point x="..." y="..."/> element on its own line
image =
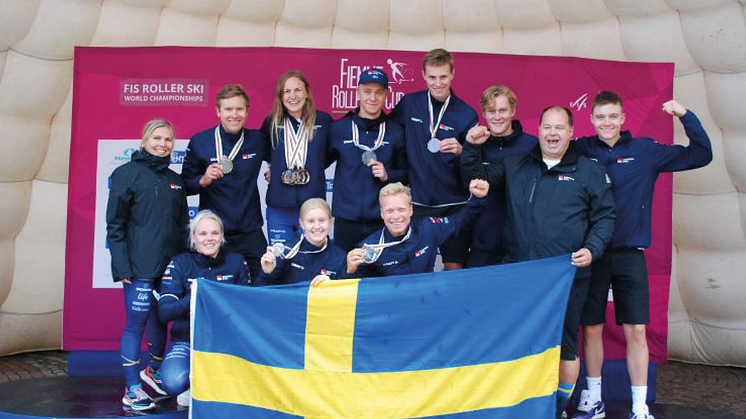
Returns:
<point x="226" y="162"/>
<point x="374" y="251"/>
<point x="434" y="144"/>
<point x="369" y="154"/>
<point x="279" y="249"/>
<point x="296" y="151"/>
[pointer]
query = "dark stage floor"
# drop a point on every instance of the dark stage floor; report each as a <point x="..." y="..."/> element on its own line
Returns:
<point x="35" y="385"/>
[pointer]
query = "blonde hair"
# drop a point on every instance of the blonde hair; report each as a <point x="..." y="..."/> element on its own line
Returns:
<point x="202" y="215"/>
<point x="312" y="204"/>
<point x="493" y="92"/>
<point x="395" y="189"/>
<point x="437" y="57"/>
<point x="153" y="125"/>
<point x="308" y="114"/>
<point x="231" y="90"/>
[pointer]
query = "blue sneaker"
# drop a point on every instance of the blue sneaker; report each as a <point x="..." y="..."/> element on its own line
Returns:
<point x="136" y="398"/>
<point x="589" y="409"/>
<point x="153" y="379"/>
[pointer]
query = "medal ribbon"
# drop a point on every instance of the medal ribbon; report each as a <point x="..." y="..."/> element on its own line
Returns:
<point x="379" y="139"/>
<point x="296" y="145"/>
<point x="219" y="145"/>
<point x="296" y="249"/>
<point x="382" y="244"/>
<point x="434" y="128"/>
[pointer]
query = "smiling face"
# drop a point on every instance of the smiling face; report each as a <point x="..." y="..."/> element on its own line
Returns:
<point x="232" y="113"/>
<point x="396" y="211"/>
<point x="607" y="119"/>
<point x="499" y="116"/>
<point x="160" y="142"/>
<point x="372" y="96"/>
<point x="294" y="95"/>
<point x="438" y="79"/>
<point x="316" y="224"/>
<point x="207" y="237"/>
<point x="555" y="133"/>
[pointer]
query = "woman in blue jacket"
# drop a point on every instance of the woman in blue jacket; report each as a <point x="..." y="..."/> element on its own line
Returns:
<point x="298" y="136"/>
<point x="312" y="255"/>
<point x="146" y="224"/>
<point x="206" y="261"/>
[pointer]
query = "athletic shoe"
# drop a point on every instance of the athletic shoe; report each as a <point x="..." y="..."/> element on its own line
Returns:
<point x="589" y="409"/>
<point x="153" y="379"/>
<point x="184" y="398"/>
<point x="136" y="398"/>
<point x="641" y="415"/>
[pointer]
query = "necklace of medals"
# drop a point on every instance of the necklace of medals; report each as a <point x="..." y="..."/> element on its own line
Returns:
<point x="369" y="154"/>
<point x="296" y="152"/>
<point x="226" y="162"/>
<point x="374" y="251"/>
<point x="434" y="144"/>
<point x="280" y="249"/>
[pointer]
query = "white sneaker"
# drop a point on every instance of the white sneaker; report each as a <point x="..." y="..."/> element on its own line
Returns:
<point x="185" y="398"/>
<point x="645" y="414"/>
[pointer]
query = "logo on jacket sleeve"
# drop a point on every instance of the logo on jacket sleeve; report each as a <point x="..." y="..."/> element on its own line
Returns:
<point x="439" y="220"/>
<point x="566" y="178"/>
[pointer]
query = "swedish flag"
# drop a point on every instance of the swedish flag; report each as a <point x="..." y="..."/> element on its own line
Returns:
<point x="478" y="343"/>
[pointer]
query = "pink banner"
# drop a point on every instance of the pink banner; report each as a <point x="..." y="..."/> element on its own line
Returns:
<point x="116" y="90"/>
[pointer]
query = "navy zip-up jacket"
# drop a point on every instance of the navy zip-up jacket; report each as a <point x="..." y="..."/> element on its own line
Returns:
<point x="234" y="197"/>
<point x="435" y="178"/>
<point x="550" y="212"/>
<point x="355" y="187"/>
<point x="305" y="266"/>
<point x="173" y="305"/>
<point x="633" y="165"/>
<point x="147" y="219"/>
<point x="487" y="232"/>
<point x="280" y="195"/>
<point x="417" y="254"/>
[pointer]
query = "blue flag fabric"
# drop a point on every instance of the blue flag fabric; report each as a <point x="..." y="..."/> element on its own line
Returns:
<point x="476" y="343"/>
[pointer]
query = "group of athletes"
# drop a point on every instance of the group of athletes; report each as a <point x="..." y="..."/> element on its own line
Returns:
<point x="482" y="195"/>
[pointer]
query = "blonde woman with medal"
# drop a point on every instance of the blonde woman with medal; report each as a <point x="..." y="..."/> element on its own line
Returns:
<point x="435" y="124"/>
<point x="369" y="151"/>
<point x="222" y="164"/>
<point x="407" y="244"/>
<point x="146" y="223"/>
<point x="297" y="135"/>
<point x="313" y="254"/>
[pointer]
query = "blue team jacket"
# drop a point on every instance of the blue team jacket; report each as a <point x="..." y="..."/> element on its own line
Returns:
<point x="633" y="165"/>
<point x="355" y="188"/>
<point x="417" y="254"/>
<point x="305" y="266"/>
<point x="235" y="197"/>
<point x="280" y="195"/>
<point x="435" y="178"/>
<point x="173" y="304"/>
<point x="487" y="231"/>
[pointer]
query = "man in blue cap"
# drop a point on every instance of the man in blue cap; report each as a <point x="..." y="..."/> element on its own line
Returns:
<point x="369" y="151"/>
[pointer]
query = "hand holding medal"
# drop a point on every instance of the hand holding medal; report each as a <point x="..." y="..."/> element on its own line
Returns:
<point x="269" y="260"/>
<point x="213" y="172"/>
<point x="378" y="170"/>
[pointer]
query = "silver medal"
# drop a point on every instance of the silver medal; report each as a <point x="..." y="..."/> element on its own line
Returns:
<point x="279" y="249"/>
<point x="433" y="145"/>
<point x="226" y="164"/>
<point x="368" y="157"/>
<point x="370" y="255"/>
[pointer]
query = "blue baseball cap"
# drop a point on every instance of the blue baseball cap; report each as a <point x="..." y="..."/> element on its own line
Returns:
<point x="374" y="75"/>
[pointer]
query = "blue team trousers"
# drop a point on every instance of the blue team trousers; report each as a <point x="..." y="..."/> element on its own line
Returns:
<point x="175" y="370"/>
<point x="283" y="225"/>
<point x="142" y="311"/>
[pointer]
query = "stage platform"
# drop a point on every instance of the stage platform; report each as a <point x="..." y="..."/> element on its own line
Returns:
<point x="100" y="397"/>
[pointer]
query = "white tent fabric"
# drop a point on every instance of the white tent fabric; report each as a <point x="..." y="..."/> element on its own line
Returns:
<point x="705" y="38"/>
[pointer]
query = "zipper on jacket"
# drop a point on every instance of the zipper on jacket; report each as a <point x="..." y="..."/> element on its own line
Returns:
<point x="533" y="189"/>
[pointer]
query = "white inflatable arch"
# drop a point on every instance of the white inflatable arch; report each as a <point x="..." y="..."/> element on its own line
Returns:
<point x="705" y="38"/>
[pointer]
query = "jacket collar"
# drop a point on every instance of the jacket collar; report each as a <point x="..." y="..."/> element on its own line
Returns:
<point x="517" y="132"/>
<point x="208" y="262"/>
<point x="566" y="164"/>
<point x="154" y="162"/>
